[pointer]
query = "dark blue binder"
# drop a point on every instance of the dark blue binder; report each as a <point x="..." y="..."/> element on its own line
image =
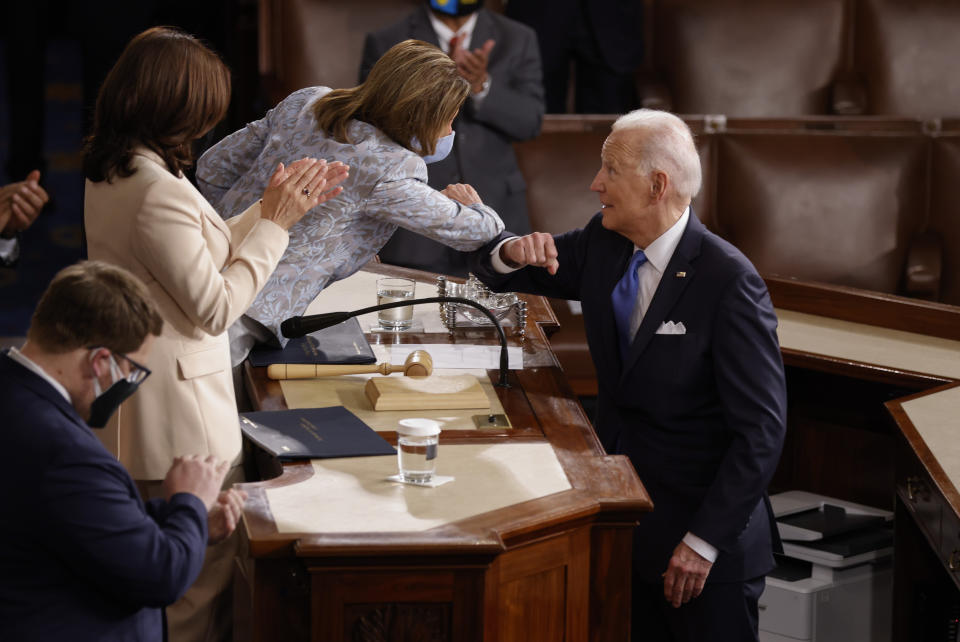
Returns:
<point x="313" y="433"/>
<point x="341" y="343"/>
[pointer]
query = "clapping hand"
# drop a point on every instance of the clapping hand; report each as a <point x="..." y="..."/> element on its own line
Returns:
<point x="20" y="204"/>
<point x="298" y="188"/>
<point x="472" y="65"/>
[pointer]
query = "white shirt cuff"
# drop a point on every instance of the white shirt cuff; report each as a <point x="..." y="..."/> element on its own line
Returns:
<point x="497" y="263"/>
<point x="702" y="548"/>
<point x="9" y="250"/>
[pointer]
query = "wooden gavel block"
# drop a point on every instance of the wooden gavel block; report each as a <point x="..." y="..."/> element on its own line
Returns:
<point x="417" y="364"/>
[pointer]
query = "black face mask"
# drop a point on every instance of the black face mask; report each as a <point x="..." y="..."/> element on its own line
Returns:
<point x="106" y="403"/>
<point x="455" y="7"/>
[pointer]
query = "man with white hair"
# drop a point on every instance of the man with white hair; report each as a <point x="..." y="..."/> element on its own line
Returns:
<point x="691" y="385"/>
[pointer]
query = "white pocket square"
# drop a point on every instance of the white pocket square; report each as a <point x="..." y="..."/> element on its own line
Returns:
<point x="669" y="327"/>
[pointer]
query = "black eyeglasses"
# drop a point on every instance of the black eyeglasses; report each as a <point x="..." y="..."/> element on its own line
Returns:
<point x="138" y="371"/>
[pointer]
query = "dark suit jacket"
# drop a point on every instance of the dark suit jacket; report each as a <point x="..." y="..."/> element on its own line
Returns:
<point x="701" y="415"/>
<point x="483" y="153"/>
<point x="81" y="556"/>
<point x="615" y="25"/>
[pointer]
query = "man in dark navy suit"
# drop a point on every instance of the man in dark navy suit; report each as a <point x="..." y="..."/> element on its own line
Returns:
<point x="81" y="556"/>
<point x="691" y="385"/>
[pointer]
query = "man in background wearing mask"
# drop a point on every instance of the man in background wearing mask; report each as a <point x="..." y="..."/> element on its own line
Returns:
<point x="82" y="557"/>
<point x="501" y="59"/>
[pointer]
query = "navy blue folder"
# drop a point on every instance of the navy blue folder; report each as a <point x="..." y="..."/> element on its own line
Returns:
<point x="341" y="343"/>
<point x="313" y="433"/>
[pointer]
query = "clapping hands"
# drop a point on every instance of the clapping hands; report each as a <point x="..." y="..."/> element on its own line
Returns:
<point x="20" y="204"/>
<point x="472" y="65"/>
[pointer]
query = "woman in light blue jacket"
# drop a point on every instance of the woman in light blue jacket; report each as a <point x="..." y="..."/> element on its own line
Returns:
<point x="385" y="130"/>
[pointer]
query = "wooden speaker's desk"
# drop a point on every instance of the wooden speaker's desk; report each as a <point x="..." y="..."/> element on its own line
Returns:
<point x="552" y="567"/>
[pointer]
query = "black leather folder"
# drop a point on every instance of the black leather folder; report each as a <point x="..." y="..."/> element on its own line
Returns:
<point x="313" y="433"/>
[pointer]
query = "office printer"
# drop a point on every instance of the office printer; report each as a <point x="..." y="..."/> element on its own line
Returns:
<point x="834" y="581"/>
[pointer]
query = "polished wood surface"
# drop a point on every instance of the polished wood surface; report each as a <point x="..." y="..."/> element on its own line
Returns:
<point x="556" y="567"/>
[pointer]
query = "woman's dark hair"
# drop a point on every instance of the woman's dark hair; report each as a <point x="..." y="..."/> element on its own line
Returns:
<point x="166" y="90"/>
<point x="414" y="90"/>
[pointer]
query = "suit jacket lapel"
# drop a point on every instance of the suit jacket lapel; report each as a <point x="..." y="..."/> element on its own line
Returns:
<point x="421" y="29"/>
<point x="484" y="30"/>
<point x="205" y="207"/>
<point x="669" y="291"/>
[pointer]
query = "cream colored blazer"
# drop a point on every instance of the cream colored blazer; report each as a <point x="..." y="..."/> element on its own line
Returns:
<point x="203" y="274"/>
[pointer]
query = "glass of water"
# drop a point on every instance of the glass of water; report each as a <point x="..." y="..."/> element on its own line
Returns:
<point x="390" y="290"/>
<point x="417" y="444"/>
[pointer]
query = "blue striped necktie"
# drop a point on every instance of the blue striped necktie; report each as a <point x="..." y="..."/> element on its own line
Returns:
<point x="624" y="299"/>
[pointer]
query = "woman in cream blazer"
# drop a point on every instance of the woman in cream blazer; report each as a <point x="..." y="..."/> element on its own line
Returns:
<point x="141" y="213"/>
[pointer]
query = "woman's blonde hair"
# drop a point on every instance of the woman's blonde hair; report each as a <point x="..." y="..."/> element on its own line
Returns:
<point x="414" y="90"/>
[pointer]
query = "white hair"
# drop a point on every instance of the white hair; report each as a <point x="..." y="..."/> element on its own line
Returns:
<point x="667" y="146"/>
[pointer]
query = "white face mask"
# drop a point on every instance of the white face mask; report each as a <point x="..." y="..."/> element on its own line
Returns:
<point x="443" y="148"/>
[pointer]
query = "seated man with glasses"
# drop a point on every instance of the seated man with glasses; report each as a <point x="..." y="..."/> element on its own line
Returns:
<point x="82" y="557"/>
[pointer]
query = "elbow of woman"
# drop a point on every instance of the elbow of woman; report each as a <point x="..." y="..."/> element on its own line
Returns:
<point x="216" y="325"/>
<point x="216" y="319"/>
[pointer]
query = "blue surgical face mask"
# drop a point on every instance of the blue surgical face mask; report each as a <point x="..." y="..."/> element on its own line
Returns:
<point x="442" y="149"/>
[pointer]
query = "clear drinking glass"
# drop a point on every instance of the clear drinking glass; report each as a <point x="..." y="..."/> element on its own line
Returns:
<point x="417" y="445"/>
<point x="389" y="290"/>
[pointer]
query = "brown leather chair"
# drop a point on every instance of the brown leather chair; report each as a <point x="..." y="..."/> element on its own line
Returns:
<point x="945" y="212"/>
<point x="907" y="52"/>
<point x="748" y="57"/>
<point x="842" y="208"/>
<point x="318" y="42"/>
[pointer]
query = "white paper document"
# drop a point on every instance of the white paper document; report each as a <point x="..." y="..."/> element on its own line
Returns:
<point x="444" y="355"/>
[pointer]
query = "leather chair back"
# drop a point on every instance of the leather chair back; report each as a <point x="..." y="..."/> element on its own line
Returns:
<point x="319" y="42"/>
<point x="839" y="208"/>
<point x="907" y="51"/>
<point x="749" y="57"/>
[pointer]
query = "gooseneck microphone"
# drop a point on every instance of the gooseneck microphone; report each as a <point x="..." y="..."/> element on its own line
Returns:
<point x="296" y="327"/>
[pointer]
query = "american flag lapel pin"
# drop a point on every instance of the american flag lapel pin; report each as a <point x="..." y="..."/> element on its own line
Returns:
<point x="681" y="275"/>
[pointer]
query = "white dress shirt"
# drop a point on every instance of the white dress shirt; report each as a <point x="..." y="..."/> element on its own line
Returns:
<point x="19" y="357"/>
<point x="9" y="251"/>
<point x="658" y="254"/>
<point x="445" y="34"/>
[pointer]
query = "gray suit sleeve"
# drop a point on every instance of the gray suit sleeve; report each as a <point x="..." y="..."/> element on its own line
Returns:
<point x="515" y="104"/>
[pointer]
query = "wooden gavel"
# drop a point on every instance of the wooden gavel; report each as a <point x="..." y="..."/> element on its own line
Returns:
<point x="417" y="364"/>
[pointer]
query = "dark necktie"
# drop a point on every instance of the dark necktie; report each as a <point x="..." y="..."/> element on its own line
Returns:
<point x="624" y="299"/>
